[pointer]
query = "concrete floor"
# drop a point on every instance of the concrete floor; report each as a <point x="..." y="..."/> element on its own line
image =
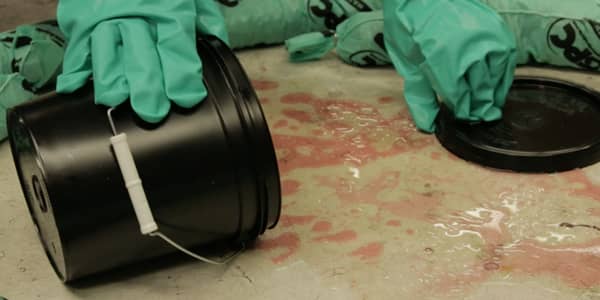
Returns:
<point x="17" y="12"/>
<point x="372" y="209"/>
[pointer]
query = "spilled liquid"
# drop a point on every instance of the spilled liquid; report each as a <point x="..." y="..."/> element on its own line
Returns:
<point x="365" y="191"/>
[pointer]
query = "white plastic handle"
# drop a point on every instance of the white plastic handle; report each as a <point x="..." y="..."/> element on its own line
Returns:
<point x="133" y="184"/>
<point x="138" y="196"/>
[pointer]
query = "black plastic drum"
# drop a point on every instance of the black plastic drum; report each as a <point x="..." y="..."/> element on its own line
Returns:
<point x="210" y="173"/>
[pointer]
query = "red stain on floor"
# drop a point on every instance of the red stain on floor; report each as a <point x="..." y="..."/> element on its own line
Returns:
<point x="410" y="231"/>
<point x="394" y="223"/>
<point x="416" y="206"/>
<point x="489" y="225"/>
<point x="355" y="211"/>
<point x="289" y="187"/>
<point x="577" y="265"/>
<point x="326" y="152"/>
<point x="354" y="133"/>
<point x="264" y="100"/>
<point x="340" y="237"/>
<point x="370" y="251"/>
<point x="281" y="124"/>
<point x="321" y="226"/>
<point x="348" y="192"/>
<point x="594" y="212"/>
<point x="288" y="241"/>
<point x="586" y="188"/>
<point x="450" y="282"/>
<point x="318" y="132"/>
<point x="288" y="221"/>
<point x="436" y="155"/>
<point x="298" y="98"/>
<point x="386" y="100"/>
<point x="288" y="204"/>
<point x="264" y="85"/>
<point x="491" y="266"/>
<point x="298" y="115"/>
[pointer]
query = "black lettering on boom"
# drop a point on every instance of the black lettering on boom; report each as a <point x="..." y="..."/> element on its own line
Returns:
<point x="584" y="58"/>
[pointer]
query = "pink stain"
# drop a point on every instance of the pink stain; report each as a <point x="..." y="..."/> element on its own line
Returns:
<point x="577" y="265"/>
<point x="355" y="211"/>
<point x="454" y="281"/>
<point x="298" y="115"/>
<point x="280" y="124"/>
<point x="288" y="221"/>
<point x="340" y="237"/>
<point x="491" y="266"/>
<point x="410" y="231"/>
<point x="436" y="155"/>
<point x="394" y="223"/>
<point x="353" y="130"/>
<point x="349" y="193"/>
<point x="287" y="205"/>
<point x="385" y="100"/>
<point x="321" y="226"/>
<point x="265" y="100"/>
<point x="289" y="187"/>
<point x="288" y="241"/>
<point x="586" y="189"/>
<point x="296" y="98"/>
<point x="494" y="233"/>
<point x="594" y="212"/>
<point x="417" y="206"/>
<point x="327" y="152"/>
<point x="492" y="228"/>
<point x="294" y="127"/>
<point x="318" y="132"/>
<point x="370" y="251"/>
<point x="264" y="85"/>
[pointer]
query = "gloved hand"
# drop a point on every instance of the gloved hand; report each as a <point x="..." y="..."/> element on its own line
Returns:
<point x="459" y="50"/>
<point x="14" y="90"/>
<point x="144" y="50"/>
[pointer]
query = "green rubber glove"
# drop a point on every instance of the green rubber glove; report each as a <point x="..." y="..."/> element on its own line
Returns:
<point x="458" y="50"/>
<point x="210" y="20"/>
<point x="144" y="50"/>
<point x="34" y="51"/>
<point x="14" y="90"/>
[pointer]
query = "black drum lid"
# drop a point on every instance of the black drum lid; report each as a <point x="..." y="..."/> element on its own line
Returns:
<point x="548" y="126"/>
